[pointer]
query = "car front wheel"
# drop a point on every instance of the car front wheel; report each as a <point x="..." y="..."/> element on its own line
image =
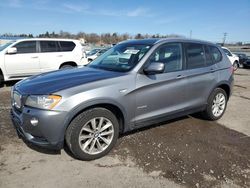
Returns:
<point x="235" y="65"/>
<point x="1" y="80"/>
<point x="92" y="134"/>
<point x="216" y="105"/>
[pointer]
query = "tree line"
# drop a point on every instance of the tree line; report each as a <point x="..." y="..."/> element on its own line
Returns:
<point x="104" y="38"/>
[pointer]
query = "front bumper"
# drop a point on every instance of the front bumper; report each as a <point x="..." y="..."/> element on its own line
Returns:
<point x="246" y="63"/>
<point x="48" y="133"/>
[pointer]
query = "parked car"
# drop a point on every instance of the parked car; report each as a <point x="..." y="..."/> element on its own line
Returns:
<point x="246" y="64"/>
<point x="22" y="58"/>
<point x="93" y="54"/>
<point x="232" y="57"/>
<point x="154" y="80"/>
<point x="242" y="58"/>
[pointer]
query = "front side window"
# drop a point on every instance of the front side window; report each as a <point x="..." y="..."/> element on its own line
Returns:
<point x="26" y="47"/>
<point x="49" y="46"/>
<point x="121" y="58"/>
<point x="170" y="55"/>
<point x="195" y="55"/>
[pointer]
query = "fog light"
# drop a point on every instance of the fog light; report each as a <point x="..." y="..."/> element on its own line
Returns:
<point x="34" y="121"/>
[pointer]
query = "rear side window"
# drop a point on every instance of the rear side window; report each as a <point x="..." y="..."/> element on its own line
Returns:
<point x="26" y="47"/>
<point x="209" y="58"/>
<point x="195" y="55"/>
<point x="67" y="46"/>
<point x="215" y="53"/>
<point x="49" y="46"/>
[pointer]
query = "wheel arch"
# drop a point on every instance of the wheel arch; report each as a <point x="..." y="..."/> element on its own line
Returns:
<point x="72" y="63"/>
<point x="114" y="107"/>
<point x="225" y="86"/>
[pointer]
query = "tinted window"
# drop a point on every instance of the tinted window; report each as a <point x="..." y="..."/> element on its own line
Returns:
<point x="215" y="52"/>
<point x="195" y="55"/>
<point x="209" y="59"/>
<point x="26" y="47"/>
<point x="49" y="46"/>
<point x="67" y="46"/>
<point x="227" y="52"/>
<point x="170" y="55"/>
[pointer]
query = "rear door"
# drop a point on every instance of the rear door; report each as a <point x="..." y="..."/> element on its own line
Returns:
<point x="162" y="94"/>
<point x="25" y="62"/>
<point x="200" y="74"/>
<point x="50" y="55"/>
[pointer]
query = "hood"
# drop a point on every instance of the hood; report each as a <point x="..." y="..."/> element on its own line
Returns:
<point x="52" y="82"/>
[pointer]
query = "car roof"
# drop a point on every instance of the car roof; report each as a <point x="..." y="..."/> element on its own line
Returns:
<point x="46" y="39"/>
<point x="152" y="41"/>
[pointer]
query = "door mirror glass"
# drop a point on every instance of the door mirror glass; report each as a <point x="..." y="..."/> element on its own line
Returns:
<point x="12" y="50"/>
<point x="155" y="68"/>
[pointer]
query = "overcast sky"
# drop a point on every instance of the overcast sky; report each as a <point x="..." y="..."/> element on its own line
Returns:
<point x="208" y="19"/>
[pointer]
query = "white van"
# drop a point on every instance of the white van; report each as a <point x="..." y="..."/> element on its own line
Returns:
<point x="26" y="57"/>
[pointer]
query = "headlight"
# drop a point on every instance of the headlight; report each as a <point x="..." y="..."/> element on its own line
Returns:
<point x="47" y="102"/>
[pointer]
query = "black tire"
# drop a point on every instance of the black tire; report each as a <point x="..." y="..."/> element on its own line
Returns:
<point x="235" y="65"/>
<point x="75" y="127"/>
<point x="67" y="67"/>
<point x="1" y="80"/>
<point x="207" y="113"/>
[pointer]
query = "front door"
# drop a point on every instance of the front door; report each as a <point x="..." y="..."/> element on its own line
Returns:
<point x="162" y="94"/>
<point x="25" y="62"/>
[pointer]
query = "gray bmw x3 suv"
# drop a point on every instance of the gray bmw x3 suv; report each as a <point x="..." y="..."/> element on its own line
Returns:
<point x="134" y="84"/>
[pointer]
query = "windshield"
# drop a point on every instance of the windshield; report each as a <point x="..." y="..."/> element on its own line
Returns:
<point x="92" y="52"/>
<point x="3" y="46"/>
<point x="121" y="58"/>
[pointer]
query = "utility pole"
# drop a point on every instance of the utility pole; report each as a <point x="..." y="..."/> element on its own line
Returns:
<point x="224" y="38"/>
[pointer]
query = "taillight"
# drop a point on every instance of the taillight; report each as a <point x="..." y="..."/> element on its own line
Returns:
<point x="231" y="69"/>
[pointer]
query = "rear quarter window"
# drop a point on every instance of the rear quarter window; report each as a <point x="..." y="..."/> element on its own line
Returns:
<point x="66" y="46"/>
<point x="215" y="53"/>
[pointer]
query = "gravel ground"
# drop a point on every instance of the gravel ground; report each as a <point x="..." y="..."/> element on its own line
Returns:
<point x="185" y="152"/>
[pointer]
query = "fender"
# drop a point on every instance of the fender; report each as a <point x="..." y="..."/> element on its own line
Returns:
<point x="228" y="83"/>
<point x="79" y="108"/>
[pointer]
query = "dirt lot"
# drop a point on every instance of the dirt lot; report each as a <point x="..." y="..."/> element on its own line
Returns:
<point x="185" y="152"/>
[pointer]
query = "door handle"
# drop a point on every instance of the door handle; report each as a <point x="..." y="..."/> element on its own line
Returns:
<point x="34" y="57"/>
<point x="212" y="70"/>
<point x="59" y="55"/>
<point x="180" y="76"/>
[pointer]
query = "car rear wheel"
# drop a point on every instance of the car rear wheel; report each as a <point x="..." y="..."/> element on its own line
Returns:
<point x="92" y="134"/>
<point x="216" y="105"/>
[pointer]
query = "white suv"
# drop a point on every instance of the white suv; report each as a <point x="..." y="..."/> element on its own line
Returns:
<point x="234" y="59"/>
<point x="26" y="57"/>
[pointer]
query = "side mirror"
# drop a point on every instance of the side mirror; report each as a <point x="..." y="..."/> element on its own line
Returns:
<point x="155" y="68"/>
<point x="12" y="50"/>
